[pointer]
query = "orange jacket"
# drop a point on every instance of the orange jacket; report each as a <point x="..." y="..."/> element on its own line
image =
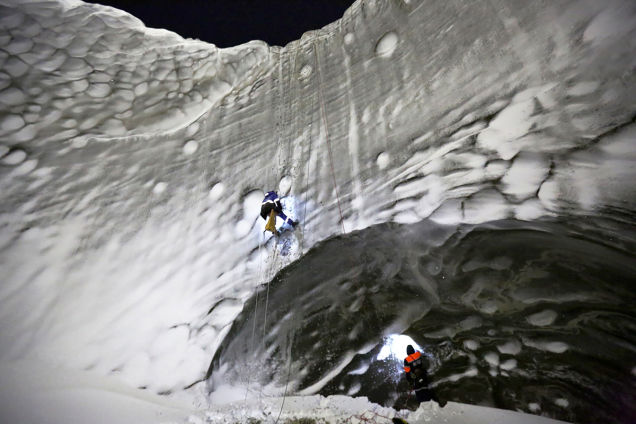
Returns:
<point x="412" y="359"/>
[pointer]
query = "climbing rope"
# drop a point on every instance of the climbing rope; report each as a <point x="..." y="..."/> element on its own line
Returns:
<point x="302" y="248"/>
<point x="268" y="277"/>
<point x="260" y="266"/>
<point x="324" y="122"/>
<point x="272" y="261"/>
<point x="333" y="175"/>
<point x="278" y="144"/>
<point x="279" y="117"/>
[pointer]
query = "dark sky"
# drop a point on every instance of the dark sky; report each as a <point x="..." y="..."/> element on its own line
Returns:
<point x="231" y="22"/>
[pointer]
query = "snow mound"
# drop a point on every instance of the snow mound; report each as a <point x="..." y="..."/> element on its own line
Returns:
<point x="345" y="409"/>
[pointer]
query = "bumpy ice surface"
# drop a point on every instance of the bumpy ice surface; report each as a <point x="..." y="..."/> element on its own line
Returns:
<point x="132" y="164"/>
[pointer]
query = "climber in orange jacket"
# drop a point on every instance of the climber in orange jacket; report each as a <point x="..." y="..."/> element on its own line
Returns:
<point x="418" y="378"/>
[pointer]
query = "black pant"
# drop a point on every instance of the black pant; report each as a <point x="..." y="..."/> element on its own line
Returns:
<point x="424" y="395"/>
<point x="422" y="391"/>
<point x="266" y="208"/>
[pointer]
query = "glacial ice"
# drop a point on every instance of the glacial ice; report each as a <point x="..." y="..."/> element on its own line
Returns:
<point x="132" y="160"/>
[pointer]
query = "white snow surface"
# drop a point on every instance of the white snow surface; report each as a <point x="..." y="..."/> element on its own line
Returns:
<point x="344" y="409"/>
<point x="133" y="162"/>
<point x="38" y="393"/>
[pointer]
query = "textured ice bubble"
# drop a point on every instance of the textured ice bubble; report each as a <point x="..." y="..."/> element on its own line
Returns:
<point x="496" y="169"/>
<point x="153" y="75"/>
<point x="383" y="160"/>
<point x="11" y="123"/>
<point x="52" y="63"/>
<point x="610" y="23"/>
<point x="76" y="67"/>
<point x="549" y="194"/>
<point x="511" y="347"/>
<point x="486" y="205"/>
<point x="14" y="158"/>
<point x="530" y="210"/>
<point x="508" y="364"/>
<point x="19" y="45"/>
<point x="543" y="318"/>
<point x="361" y="369"/>
<point x="387" y="44"/>
<point x="79" y="142"/>
<point x="525" y="175"/>
<point x="552" y="346"/>
<point x="584" y="88"/>
<point x="160" y="187"/>
<point x="355" y="388"/>
<point x="26" y="167"/>
<point x="509" y="124"/>
<point x="409" y="189"/>
<point x="252" y="205"/>
<point x="5" y="80"/>
<point x="285" y="185"/>
<point x="471" y="344"/>
<point x="15" y="67"/>
<point x="556" y="347"/>
<point x="305" y="72"/>
<point x="492" y="358"/>
<point x="470" y="372"/>
<point x="12" y="96"/>
<point x="563" y="403"/>
<point x="141" y="89"/>
<point x="489" y="307"/>
<point x="98" y="90"/>
<point x="217" y="191"/>
<point x="190" y="147"/>
<point x="471" y="323"/>
<point x="449" y="213"/>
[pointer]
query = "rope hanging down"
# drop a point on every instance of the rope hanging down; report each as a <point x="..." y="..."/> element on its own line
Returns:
<point x="264" y="275"/>
<point x="324" y="122"/>
<point x="260" y="265"/>
<point x="333" y="175"/>
<point x="302" y="251"/>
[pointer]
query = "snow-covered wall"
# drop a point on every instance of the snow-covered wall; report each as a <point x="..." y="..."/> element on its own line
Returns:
<point x="134" y="162"/>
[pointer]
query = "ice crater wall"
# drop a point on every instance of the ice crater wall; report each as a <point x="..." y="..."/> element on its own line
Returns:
<point x="133" y="161"/>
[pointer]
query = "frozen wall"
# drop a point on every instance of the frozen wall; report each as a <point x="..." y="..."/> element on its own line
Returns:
<point x="133" y="161"/>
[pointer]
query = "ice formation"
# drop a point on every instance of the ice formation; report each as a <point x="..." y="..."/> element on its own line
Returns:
<point x="132" y="163"/>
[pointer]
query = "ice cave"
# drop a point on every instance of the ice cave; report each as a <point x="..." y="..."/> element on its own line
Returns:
<point x="463" y="174"/>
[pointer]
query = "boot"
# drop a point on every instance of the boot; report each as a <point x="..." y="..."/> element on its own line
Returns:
<point x="441" y="403"/>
